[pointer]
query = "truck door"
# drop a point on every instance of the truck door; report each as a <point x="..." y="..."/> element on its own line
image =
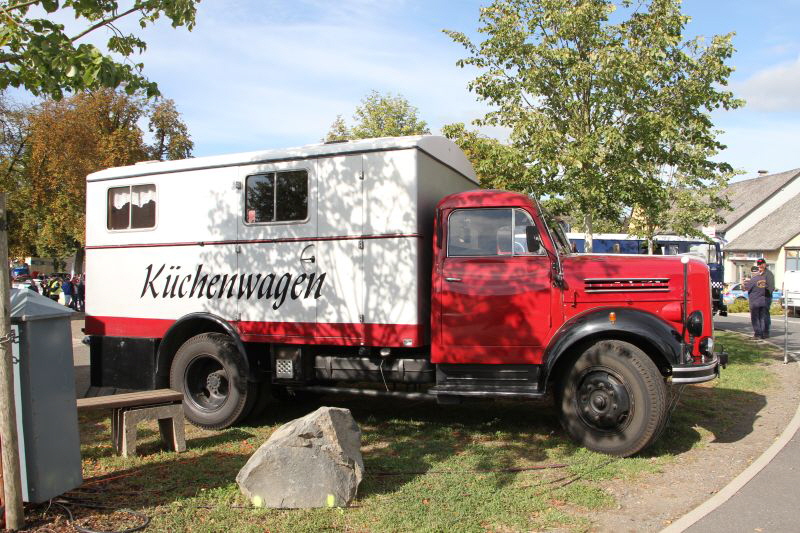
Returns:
<point x="495" y="292"/>
<point x="276" y="264"/>
<point x="340" y="249"/>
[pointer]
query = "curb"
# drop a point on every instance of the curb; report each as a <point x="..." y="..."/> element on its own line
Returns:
<point x="699" y="512"/>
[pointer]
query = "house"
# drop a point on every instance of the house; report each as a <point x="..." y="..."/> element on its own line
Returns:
<point x="763" y="222"/>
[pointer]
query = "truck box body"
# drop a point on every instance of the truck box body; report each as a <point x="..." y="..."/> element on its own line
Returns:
<point x="355" y="267"/>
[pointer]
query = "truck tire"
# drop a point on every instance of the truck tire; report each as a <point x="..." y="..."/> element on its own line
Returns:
<point x="613" y="400"/>
<point x="210" y="373"/>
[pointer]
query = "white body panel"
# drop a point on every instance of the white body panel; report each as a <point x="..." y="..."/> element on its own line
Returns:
<point x="791" y="288"/>
<point x="360" y="259"/>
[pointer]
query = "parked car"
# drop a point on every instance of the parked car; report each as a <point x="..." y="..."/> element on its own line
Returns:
<point x="736" y="292"/>
<point x="19" y="271"/>
<point x="25" y="284"/>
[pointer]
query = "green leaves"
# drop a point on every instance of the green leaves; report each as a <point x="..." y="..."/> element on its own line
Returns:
<point x="38" y="55"/>
<point x="380" y="115"/>
<point x="604" y="115"/>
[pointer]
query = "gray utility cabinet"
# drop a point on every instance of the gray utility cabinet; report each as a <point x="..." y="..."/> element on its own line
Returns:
<point x="44" y="388"/>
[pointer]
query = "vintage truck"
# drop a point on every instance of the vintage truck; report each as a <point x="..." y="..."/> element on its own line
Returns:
<point x="378" y="267"/>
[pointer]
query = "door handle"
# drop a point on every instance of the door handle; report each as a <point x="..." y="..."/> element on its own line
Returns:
<point x="310" y="258"/>
<point x="453" y="280"/>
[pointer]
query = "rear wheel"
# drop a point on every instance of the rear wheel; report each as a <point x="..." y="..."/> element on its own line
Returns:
<point x="614" y="399"/>
<point x="212" y="376"/>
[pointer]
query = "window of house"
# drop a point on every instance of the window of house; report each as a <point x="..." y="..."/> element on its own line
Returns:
<point x="276" y="197"/>
<point x="489" y="232"/>
<point x="131" y="207"/>
<point x="792" y="259"/>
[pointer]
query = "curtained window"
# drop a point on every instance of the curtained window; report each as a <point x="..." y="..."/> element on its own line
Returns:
<point x="131" y="207"/>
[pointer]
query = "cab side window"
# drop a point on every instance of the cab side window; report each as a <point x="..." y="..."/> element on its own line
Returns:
<point x="276" y="197"/>
<point x="131" y="207"/>
<point x="489" y="232"/>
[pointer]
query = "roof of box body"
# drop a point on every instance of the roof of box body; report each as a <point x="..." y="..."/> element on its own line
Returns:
<point x="439" y="148"/>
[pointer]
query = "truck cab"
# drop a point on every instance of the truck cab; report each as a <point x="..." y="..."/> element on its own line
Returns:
<point x="516" y="314"/>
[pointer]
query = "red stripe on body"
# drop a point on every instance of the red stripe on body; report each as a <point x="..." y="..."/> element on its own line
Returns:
<point x="254" y="241"/>
<point x="390" y="335"/>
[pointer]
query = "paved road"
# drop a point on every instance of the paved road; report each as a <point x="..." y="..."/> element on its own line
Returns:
<point x="80" y="353"/>
<point x="770" y="501"/>
<point x="740" y="322"/>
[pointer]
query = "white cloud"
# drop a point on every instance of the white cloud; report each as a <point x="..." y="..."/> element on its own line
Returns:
<point x="258" y="77"/>
<point x="776" y="88"/>
<point x="767" y="145"/>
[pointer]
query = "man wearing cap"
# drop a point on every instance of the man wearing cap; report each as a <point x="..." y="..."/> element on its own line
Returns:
<point x="770" y="277"/>
<point x="758" y="292"/>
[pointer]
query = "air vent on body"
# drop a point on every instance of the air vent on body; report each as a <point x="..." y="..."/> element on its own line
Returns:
<point x="627" y="285"/>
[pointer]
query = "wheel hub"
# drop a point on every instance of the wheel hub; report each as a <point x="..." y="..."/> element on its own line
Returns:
<point x="206" y="384"/>
<point x="213" y="381"/>
<point x="603" y="401"/>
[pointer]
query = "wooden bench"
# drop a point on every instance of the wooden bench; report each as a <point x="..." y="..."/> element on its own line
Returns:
<point x="164" y="405"/>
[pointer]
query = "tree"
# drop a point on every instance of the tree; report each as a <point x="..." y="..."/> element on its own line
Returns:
<point x="172" y="140"/>
<point x="605" y="116"/>
<point x="68" y="139"/>
<point x="498" y="165"/>
<point x="38" y="55"/>
<point x="339" y="131"/>
<point x="380" y="116"/>
<point x="13" y="139"/>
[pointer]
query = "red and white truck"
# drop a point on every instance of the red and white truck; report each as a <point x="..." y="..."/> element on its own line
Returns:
<point x="378" y="267"/>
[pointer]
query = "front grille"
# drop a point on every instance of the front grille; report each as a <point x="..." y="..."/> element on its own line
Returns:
<point x="627" y="285"/>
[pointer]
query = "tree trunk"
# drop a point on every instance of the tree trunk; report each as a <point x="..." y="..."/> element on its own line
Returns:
<point x="80" y="255"/>
<point x="587" y="239"/>
<point x="9" y="442"/>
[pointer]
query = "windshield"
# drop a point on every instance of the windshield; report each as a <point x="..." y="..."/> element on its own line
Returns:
<point x="707" y="252"/>
<point x="560" y="239"/>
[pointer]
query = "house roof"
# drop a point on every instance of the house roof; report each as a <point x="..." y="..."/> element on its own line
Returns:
<point x="771" y="232"/>
<point x="746" y="195"/>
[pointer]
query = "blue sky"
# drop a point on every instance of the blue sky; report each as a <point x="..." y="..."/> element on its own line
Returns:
<point x="259" y="74"/>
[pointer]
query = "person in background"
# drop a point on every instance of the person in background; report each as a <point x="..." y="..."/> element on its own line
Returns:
<point x="54" y="288"/>
<point x="80" y="292"/>
<point x="761" y="265"/>
<point x="66" y="286"/>
<point x="756" y="288"/>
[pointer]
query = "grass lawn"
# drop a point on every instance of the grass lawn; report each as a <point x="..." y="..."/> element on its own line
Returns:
<point x="490" y="466"/>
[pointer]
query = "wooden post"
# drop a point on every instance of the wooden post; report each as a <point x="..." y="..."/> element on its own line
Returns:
<point x="12" y="484"/>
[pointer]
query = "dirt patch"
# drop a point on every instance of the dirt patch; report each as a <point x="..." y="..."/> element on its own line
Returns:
<point x="654" y="501"/>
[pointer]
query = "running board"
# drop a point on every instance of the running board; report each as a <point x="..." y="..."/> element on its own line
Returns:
<point x="371" y="393"/>
<point x="487" y="392"/>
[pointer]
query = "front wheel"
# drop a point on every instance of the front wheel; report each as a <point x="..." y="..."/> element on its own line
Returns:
<point x="614" y="399"/>
<point x="210" y="373"/>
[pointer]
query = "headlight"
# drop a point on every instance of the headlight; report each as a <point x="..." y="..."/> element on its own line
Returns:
<point x="694" y="324"/>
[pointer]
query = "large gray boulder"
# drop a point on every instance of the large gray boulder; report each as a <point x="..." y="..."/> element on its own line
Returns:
<point x="314" y="461"/>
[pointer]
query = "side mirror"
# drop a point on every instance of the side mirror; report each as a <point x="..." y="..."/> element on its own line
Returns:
<point x="532" y="238"/>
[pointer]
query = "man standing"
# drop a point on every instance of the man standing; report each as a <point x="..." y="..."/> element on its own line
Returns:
<point x="762" y="269"/>
<point x="756" y="288"/>
<point x="54" y="288"/>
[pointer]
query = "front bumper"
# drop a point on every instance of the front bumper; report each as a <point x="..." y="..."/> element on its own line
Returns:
<point x="684" y="374"/>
